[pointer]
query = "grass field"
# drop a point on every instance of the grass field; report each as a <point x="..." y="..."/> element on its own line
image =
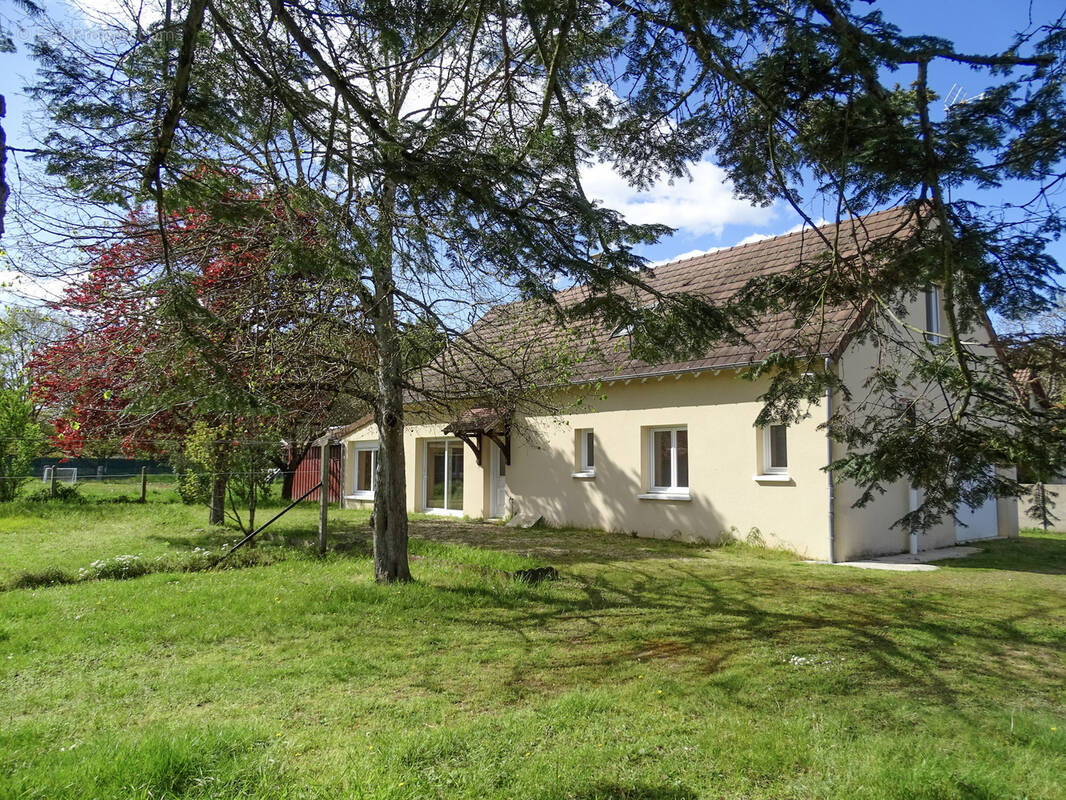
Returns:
<point x="650" y="671"/>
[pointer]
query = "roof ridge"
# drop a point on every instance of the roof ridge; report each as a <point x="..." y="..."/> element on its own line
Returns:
<point x="804" y="229"/>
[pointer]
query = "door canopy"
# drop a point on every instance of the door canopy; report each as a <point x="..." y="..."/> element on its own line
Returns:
<point x="478" y="424"/>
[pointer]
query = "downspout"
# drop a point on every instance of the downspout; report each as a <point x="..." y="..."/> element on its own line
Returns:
<point x="831" y="490"/>
<point x="913" y="504"/>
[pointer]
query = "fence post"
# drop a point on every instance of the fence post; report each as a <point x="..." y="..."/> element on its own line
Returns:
<point x="341" y="476"/>
<point x="144" y="484"/>
<point x="100" y="473"/>
<point x="52" y="487"/>
<point x="323" y="495"/>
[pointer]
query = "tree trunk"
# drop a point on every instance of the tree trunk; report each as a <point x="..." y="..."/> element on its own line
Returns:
<point x="217" y="514"/>
<point x="390" y="495"/>
<point x="219" y="483"/>
<point x="287" y="477"/>
<point x="4" y="190"/>
<point x="251" y="505"/>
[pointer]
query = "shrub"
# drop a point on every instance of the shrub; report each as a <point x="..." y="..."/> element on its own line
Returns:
<point x="65" y="492"/>
<point x="21" y="440"/>
<point x="49" y="576"/>
<point x="128" y="566"/>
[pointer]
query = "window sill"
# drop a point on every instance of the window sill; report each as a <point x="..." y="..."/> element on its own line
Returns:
<point x="685" y="496"/>
<point x="360" y="496"/>
<point x="777" y="478"/>
<point x="584" y="476"/>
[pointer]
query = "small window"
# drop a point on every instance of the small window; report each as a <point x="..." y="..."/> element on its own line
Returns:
<point x="585" y="457"/>
<point x="932" y="315"/>
<point x="775" y="449"/>
<point x="668" y="448"/>
<point x="366" y="461"/>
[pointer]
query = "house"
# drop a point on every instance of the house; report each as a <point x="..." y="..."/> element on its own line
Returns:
<point x="304" y="477"/>
<point x="670" y="449"/>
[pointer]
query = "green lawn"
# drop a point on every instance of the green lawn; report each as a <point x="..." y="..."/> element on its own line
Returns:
<point x="651" y="670"/>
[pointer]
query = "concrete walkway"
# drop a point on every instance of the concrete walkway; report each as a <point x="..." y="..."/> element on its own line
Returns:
<point x="906" y="562"/>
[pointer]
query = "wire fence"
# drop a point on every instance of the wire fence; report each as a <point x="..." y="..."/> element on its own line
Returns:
<point x="153" y="487"/>
<point x="45" y="476"/>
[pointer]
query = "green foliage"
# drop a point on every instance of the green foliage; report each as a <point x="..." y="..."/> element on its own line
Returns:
<point x="245" y="456"/>
<point x="193" y="478"/>
<point x="21" y="440"/>
<point x="64" y="493"/>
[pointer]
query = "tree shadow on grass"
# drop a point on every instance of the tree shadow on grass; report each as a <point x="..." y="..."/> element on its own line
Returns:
<point x="552" y="546"/>
<point x="703" y="620"/>
<point x="1033" y="551"/>
<point x="346" y="538"/>
<point x="556" y="546"/>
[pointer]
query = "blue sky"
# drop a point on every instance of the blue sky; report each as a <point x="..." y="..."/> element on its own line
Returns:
<point x="703" y="211"/>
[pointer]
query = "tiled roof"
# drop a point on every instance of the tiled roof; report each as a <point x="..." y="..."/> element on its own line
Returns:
<point x="525" y="328"/>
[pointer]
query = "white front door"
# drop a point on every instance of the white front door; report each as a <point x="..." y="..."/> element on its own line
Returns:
<point x="980" y="523"/>
<point x="498" y="489"/>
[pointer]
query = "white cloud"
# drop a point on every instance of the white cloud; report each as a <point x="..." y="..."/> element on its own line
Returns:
<point x="749" y="239"/>
<point x="703" y="205"/>
<point x="18" y="286"/>
<point x="124" y="13"/>
<point x="758" y="237"/>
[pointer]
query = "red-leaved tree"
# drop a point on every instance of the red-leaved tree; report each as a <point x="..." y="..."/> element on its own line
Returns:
<point x="221" y="316"/>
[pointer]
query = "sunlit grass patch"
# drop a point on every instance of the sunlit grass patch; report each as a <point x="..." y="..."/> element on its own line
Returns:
<point x="201" y="762"/>
<point x="648" y="670"/>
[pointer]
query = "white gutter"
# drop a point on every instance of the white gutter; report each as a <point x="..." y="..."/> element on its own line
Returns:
<point x="914" y="502"/>
<point x="830" y="489"/>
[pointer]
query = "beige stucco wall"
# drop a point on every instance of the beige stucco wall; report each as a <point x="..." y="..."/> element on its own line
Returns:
<point x="724" y="454"/>
<point x="725" y="451"/>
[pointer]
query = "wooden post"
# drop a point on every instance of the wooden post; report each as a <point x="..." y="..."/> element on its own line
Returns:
<point x="341" y="477"/>
<point x="323" y="495"/>
<point x="144" y="484"/>
<point x="52" y="487"/>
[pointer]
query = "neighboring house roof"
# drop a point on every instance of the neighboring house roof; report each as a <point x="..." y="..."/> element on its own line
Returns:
<point x="337" y="432"/>
<point x="525" y="329"/>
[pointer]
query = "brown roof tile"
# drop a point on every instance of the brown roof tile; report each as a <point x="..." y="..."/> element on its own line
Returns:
<point x="523" y="329"/>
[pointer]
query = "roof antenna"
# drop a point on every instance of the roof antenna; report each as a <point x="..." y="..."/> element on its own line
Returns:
<point x="956" y="94"/>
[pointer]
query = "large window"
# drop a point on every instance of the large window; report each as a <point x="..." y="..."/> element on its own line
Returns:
<point x="366" y="462"/>
<point x="443" y="476"/>
<point x="586" y="452"/>
<point x="775" y="450"/>
<point x="668" y="471"/>
<point x="932" y="315"/>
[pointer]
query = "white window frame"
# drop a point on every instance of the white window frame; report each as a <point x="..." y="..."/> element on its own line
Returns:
<point x="932" y="321"/>
<point x="447" y="442"/>
<point x="673" y="490"/>
<point x="767" y="451"/>
<point x="358" y="448"/>
<point x="584" y="468"/>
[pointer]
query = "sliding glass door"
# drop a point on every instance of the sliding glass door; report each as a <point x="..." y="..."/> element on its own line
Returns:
<point x="443" y="476"/>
